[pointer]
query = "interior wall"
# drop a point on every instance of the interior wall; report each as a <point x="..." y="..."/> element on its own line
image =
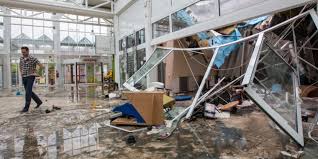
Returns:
<point x="176" y="67"/>
<point x="133" y="19"/>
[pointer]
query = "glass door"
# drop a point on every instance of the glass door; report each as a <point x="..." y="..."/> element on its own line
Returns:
<point x="90" y="72"/>
<point x="69" y="73"/>
<point x="81" y="73"/>
<point x="14" y="74"/>
<point x="98" y="72"/>
<point x="51" y="73"/>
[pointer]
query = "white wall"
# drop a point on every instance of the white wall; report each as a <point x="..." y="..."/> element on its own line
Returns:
<point x="132" y="19"/>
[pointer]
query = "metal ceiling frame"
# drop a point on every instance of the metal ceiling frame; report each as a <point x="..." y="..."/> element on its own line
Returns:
<point x="249" y="75"/>
<point x="62" y="7"/>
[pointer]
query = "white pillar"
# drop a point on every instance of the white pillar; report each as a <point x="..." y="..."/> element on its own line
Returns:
<point x="57" y="45"/>
<point x="46" y="74"/>
<point x="6" y="48"/>
<point x="153" y="75"/>
<point x="116" y="38"/>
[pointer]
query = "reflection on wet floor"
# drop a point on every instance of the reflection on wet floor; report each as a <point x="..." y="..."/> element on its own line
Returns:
<point x="67" y="142"/>
<point x="78" y="131"/>
<point x="86" y="94"/>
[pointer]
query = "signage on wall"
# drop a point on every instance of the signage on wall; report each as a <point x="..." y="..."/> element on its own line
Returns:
<point x="89" y="59"/>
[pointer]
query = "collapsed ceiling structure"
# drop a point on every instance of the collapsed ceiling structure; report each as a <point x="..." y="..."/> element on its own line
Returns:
<point x="274" y="59"/>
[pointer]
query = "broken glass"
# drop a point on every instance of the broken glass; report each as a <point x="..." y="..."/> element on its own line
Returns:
<point x="273" y="81"/>
<point x="157" y="56"/>
<point x="194" y="14"/>
<point x="273" y="87"/>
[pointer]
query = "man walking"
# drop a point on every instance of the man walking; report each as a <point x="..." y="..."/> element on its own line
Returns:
<point x="27" y="68"/>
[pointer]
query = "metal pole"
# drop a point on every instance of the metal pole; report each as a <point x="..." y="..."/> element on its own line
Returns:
<point x="207" y="73"/>
<point x="186" y="110"/>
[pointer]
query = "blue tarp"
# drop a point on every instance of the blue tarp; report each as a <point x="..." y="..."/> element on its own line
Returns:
<point x="253" y="21"/>
<point x="182" y="98"/>
<point x="185" y="17"/>
<point x="227" y="50"/>
<point x="218" y="40"/>
<point x="128" y="109"/>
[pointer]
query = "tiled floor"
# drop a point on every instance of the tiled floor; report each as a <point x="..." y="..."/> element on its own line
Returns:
<point x="78" y="130"/>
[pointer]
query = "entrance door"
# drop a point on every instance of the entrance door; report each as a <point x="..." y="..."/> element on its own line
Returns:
<point x="90" y="72"/>
<point x="69" y="74"/>
<point x="81" y="75"/>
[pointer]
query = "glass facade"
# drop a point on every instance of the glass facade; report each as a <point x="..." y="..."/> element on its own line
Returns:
<point x="132" y="40"/>
<point x="38" y="35"/>
<point x="47" y="35"/>
<point x="140" y="37"/>
<point x="80" y="38"/>
<point x="194" y="14"/>
<point x="161" y="27"/>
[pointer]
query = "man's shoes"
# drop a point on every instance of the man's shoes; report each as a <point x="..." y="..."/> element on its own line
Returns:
<point x="24" y="111"/>
<point x="38" y="105"/>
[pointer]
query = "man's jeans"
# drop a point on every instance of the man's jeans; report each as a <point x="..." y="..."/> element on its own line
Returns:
<point x="28" y="84"/>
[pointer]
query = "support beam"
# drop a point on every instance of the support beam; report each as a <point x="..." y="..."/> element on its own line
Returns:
<point x="56" y="7"/>
<point x="207" y="73"/>
<point x="153" y="76"/>
<point x="54" y="20"/>
<point x="99" y="5"/>
<point x="7" y="43"/>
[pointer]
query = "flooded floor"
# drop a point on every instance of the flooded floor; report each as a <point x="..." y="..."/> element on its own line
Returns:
<point x="79" y="130"/>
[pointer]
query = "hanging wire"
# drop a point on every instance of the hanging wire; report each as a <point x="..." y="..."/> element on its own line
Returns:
<point x="188" y="64"/>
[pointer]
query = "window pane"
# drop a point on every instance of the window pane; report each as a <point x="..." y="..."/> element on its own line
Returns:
<point x="194" y="14"/>
<point x="81" y="27"/>
<point x="38" y="31"/>
<point x="157" y="56"/>
<point x="273" y="82"/>
<point x="16" y="20"/>
<point x="103" y="30"/>
<point x="88" y="28"/>
<point x="96" y="29"/>
<point x="27" y="21"/>
<point x="64" y="26"/>
<point x="161" y="27"/>
<point x="38" y="22"/>
<point x="15" y="31"/>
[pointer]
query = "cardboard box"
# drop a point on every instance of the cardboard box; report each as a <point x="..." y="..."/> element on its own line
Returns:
<point x="149" y="105"/>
